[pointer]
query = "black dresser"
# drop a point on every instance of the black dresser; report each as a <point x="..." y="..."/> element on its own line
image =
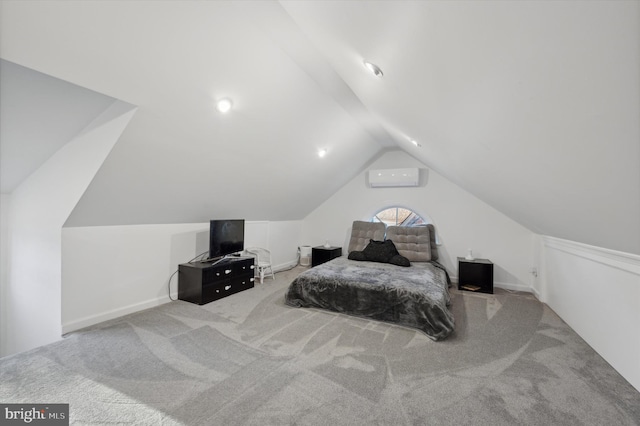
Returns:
<point x="204" y="282"/>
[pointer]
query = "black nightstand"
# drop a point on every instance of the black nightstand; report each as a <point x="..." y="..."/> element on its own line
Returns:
<point x="475" y="275"/>
<point x="323" y="254"/>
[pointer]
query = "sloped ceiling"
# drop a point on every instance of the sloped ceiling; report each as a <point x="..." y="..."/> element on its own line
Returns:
<point x="531" y="106"/>
<point x="38" y="115"/>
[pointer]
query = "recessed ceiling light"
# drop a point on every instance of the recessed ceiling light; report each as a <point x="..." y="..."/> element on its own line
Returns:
<point x="224" y="105"/>
<point x="375" y="70"/>
<point x="322" y="153"/>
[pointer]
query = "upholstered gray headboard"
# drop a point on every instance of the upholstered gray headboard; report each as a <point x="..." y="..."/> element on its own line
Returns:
<point x="432" y="241"/>
<point x="416" y="243"/>
<point x="362" y="232"/>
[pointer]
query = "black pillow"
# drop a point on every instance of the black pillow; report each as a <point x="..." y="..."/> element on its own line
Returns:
<point x="380" y="251"/>
<point x="400" y="260"/>
<point x="356" y="255"/>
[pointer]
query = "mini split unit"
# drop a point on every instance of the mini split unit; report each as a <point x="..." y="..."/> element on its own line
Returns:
<point x="394" y="177"/>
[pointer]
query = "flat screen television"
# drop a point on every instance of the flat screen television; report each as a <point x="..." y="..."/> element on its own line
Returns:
<point x="225" y="237"/>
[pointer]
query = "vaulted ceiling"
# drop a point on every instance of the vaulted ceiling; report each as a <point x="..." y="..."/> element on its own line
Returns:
<point x="533" y="106"/>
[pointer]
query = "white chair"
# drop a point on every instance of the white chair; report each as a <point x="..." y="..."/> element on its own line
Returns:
<point x="263" y="262"/>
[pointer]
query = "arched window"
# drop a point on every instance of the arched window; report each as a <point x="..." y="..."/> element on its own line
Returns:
<point x="399" y="216"/>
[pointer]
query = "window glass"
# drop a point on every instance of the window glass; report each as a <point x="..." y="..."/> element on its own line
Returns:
<point x="398" y="216"/>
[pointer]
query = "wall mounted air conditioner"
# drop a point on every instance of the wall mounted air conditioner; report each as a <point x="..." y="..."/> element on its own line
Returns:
<point x="394" y="177"/>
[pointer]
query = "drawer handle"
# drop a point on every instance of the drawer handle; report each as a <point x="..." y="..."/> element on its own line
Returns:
<point x="218" y="274"/>
<point x="252" y="280"/>
<point x="227" y="271"/>
<point x="252" y="267"/>
<point x="227" y="287"/>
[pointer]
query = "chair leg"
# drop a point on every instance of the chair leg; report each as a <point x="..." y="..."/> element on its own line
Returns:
<point x="261" y="275"/>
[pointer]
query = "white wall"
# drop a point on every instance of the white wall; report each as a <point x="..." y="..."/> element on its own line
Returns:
<point x="5" y="203"/>
<point x="284" y="242"/>
<point x="280" y="237"/>
<point x="38" y="209"/>
<point x="597" y="292"/>
<point x="110" y="271"/>
<point x="462" y="221"/>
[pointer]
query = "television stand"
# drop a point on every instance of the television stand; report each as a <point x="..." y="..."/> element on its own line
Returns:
<point x="204" y="282"/>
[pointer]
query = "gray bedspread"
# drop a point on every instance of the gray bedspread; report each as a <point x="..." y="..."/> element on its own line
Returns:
<point x="415" y="296"/>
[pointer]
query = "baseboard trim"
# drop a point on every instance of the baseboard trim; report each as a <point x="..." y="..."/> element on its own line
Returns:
<point x="537" y="294"/>
<point x="285" y="266"/>
<point x="130" y="309"/>
<point x="617" y="259"/>
<point x="514" y="287"/>
<point x="112" y="314"/>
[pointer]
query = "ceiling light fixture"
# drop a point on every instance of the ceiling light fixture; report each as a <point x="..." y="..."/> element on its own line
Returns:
<point x="322" y="153"/>
<point x="375" y="70"/>
<point x="224" y="105"/>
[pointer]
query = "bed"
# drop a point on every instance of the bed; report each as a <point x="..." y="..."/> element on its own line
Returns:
<point x="414" y="296"/>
